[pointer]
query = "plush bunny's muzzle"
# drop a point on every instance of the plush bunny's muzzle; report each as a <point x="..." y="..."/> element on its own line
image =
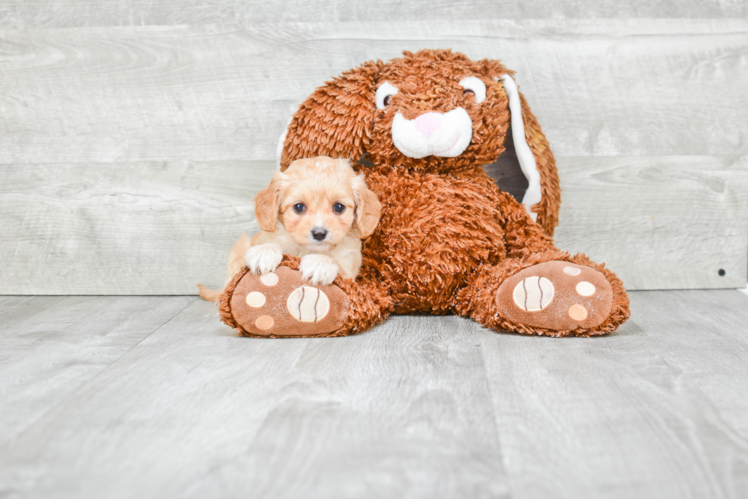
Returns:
<point x="433" y="134"/>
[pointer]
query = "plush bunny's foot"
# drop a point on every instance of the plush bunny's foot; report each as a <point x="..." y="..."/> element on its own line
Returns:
<point x="282" y="304"/>
<point x="556" y="295"/>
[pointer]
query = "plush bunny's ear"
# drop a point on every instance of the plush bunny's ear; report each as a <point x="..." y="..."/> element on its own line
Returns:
<point x="336" y="120"/>
<point x="533" y="195"/>
<point x="543" y="196"/>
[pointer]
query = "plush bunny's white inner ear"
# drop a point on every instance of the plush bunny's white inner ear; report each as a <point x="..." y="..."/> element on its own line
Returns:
<point x="526" y="159"/>
<point x="281" y="141"/>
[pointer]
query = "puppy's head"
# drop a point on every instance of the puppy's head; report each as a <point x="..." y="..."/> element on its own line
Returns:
<point x="318" y="201"/>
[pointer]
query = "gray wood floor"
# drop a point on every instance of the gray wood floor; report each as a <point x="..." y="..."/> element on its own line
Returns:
<point x="152" y="396"/>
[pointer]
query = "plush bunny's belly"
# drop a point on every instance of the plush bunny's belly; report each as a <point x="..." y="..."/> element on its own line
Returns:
<point x="435" y="230"/>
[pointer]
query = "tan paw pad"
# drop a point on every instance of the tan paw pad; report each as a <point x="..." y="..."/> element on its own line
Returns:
<point x="577" y="312"/>
<point x="308" y="304"/>
<point x="269" y="279"/>
<point x="572" y="270"/>
<point x="585" y="288"/>
<point x="533" y="293"/>
<point x="264" y="322"/>
<point x="256" y="299"/>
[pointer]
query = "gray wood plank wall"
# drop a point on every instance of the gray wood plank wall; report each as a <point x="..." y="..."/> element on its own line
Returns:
<point x="133" y="134"/>
<point x="96" y="13"/>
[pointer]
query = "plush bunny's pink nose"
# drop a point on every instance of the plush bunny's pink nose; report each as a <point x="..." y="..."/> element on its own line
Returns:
<point x="429" y="123"/>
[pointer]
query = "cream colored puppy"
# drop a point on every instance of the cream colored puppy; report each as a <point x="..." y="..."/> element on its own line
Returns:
<point x="317" y="209"/>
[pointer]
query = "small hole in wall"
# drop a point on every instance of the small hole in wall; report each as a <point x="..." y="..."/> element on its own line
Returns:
<point x="721" y="272"/>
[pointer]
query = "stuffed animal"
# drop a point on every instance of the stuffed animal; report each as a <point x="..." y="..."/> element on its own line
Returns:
<point x="449" y="241"/>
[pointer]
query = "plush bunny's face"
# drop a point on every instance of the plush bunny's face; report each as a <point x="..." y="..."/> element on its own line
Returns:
<point x="432" y="110"/>
<point x="433" y="132"/>
<point x="440" y="115"/>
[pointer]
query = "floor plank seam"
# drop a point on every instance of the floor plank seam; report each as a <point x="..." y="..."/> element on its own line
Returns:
<point x="494" y="413"/>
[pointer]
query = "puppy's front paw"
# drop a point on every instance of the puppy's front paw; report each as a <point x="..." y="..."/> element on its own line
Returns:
<point x="263" y="259"/>
<point x="319" y="269"/>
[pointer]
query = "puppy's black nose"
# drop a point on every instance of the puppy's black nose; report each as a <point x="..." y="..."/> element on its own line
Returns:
<point x="319" y="233"/>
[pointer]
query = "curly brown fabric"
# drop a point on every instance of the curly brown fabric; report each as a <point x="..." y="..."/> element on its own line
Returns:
<point x="448" y="237"/>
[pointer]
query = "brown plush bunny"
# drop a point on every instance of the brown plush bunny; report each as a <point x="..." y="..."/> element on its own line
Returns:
<point x="449" y="241"/>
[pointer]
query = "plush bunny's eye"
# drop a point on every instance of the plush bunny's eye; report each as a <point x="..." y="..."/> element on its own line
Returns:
<point x="475" y="86"/>
<point x="384" y="94"/>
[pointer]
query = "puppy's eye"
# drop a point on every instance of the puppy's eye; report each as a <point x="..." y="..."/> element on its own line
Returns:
<point x="387" y="100"/>
<point x="299" y="208"/>
<point x="338" y="208"/>
<point x="468" y="92"/>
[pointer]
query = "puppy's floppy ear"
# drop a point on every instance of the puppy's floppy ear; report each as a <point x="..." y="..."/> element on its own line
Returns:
<point x="543" y="196"/>
<point x="336" y="120"/>
<point x="267" y="204"/>
<point x="368" y="207"/>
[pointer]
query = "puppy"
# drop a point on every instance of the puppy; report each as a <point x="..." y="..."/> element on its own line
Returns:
<point x="317" y="209"/>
